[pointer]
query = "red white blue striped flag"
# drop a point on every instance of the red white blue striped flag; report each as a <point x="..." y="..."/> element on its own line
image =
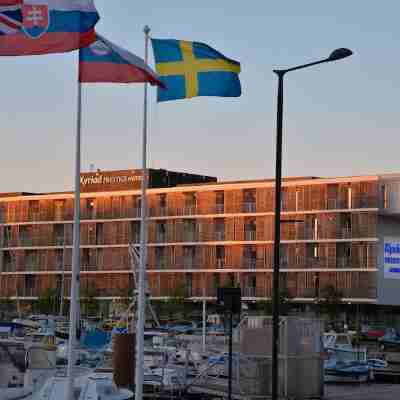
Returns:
<point x="29" y="27"/>
<point x="104" y="61"/>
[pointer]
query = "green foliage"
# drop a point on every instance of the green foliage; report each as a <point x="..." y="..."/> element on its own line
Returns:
<point x="89" y="303"/>
<point x="47" y="303"/>
<point x="330" y="300"/>
<point x="265" y="307"/>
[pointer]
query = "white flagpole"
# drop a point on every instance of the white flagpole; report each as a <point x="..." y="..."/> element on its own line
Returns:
<point x="74" y="302"/>
<point x="139" y="373"/>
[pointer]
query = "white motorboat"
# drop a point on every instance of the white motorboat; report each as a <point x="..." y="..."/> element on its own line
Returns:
<point x="90" y="387"/>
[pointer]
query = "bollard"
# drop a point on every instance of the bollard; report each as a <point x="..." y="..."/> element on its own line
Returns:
<point x="124" y="359"/>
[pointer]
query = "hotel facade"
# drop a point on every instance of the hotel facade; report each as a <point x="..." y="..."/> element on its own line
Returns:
<point x="204" y="234"/>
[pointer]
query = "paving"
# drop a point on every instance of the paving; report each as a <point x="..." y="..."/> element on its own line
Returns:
<point x="362" y="392"/>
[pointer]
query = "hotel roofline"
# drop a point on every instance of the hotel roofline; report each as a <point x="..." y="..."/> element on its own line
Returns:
<point x="207" y="186"/>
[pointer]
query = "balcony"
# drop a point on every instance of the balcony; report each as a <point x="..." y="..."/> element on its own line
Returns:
<point x="161" y="263"/>
<point x="249" y="207"/>
<point x="162" y="212"/>
<point x="345" y="233"/>
<point x="356" y="202"/>
<point x="249" y="263"/>
<point x="344" y="262"/>
<point x="249" y="291"/>
<point x="219" y="236"/>
<point x="25" y="242"/>
<point x="190" y="236"/>
<point x="161" y="237"/>
<point x="189" y="263"/>
<point x="219" y="208"/>
<point x="189" y="210"/>
<point x="220" y="263"/>
<point x="59" y="241"/>
<point x="249" y="235"/>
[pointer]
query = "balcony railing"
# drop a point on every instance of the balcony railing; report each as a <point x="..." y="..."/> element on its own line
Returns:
<point x="161" y="263"/>
<point x="190" y="236"/>
<point x="249" y="263"/>
<point x="249" y="207"/>
<point x="219" y="208"/>
<point x="356" y="202"/>
<point x="26" y="242"/>
<point x="249" y="235"/>
<point x="219" y="236"/>
<point x="161" y="237"/>
<point x="249" y="291"/>
<point x="189" y="263"/>
<point x="344" y="262"/>
<point x="189" y="210"/>
<point x="220" y="263"/>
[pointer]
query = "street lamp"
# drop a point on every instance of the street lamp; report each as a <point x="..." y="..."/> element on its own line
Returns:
<point x="336" y="55"/>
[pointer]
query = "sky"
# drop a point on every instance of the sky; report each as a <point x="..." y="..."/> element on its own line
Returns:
<point x="340" y="118"/>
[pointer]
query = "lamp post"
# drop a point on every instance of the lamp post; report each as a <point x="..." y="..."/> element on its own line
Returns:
<point x="337" y="54"/>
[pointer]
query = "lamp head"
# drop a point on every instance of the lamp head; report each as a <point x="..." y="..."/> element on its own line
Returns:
<point x="338" y="54"/>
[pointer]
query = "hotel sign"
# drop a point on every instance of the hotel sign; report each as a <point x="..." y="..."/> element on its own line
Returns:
<point x="109" y="181"/>
<point x="391" y="260"/>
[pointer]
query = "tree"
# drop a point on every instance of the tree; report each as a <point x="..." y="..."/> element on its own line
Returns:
<point x="266" y="307"/>
<point x="176" y="303"/>
<point x="330" y="300"/>
<point x="47" y="302"/>
<point x="88" y="301"/>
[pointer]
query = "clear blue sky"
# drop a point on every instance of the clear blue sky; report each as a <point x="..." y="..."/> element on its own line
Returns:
<point x="340" y="118"/>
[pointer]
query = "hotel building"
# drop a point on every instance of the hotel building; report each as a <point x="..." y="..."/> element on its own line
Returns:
<point x="204" y="234"/>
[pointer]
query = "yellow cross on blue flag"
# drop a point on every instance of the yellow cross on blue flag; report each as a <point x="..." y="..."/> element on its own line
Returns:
<point x="190" y="69"/>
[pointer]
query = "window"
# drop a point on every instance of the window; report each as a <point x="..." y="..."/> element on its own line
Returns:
<point x="190" y="203"/>
<point x="99" y="233"/>
<point x="26" y="236"/>
<point x="316" y="251"/>
<point x="8" y="262"/>
<point x="31" y="261"/>
<point x="161" y="233"/>
<point x="220" y="255"/>
<point x="249" y="200"/>
<point x="250" y="257"/>
<point x="160" y="257"/>
<point x="284" y="255"/>
<point x="34" y="213"/>
<point x="219" y="224"/>
<point x="30" y="285"/>
<point x="216" y="281"/>
<point x="60" y="259"/>
<point x="349" y="197"/>
<point x="189" y="254"/>
<point x="250" y="229"/>
<point x="385" y="197"/>
<point x="100" y="259"/>
<point x="59" y="210"/>
<point x="116" y="205"/>
<point x="189" y="284"/>
<point x="190" y="230"/>
<point x="219" y="202"/>
<point x="135" y="232"/>
<point x="7" y="236"/>
<point x="162" y="199"/>
<point x="346" y="225"/>
<point x="315" y="228"/>
<point x="59" y="234"/>
<point x="299" y="198"/>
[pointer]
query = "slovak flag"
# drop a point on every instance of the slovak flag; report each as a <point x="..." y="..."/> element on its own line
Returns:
<point x="29" y="27"/>
<point x="105" y="62"/>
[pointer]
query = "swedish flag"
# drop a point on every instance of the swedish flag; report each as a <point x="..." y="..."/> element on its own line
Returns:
<point x="190" y="69"/>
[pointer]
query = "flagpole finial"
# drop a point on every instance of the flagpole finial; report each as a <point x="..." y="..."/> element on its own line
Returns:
<point x="146" y="29"/>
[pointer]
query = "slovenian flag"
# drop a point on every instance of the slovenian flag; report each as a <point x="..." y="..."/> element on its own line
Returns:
<point x="104" y="61"/>
<point x="29" y="27"/>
